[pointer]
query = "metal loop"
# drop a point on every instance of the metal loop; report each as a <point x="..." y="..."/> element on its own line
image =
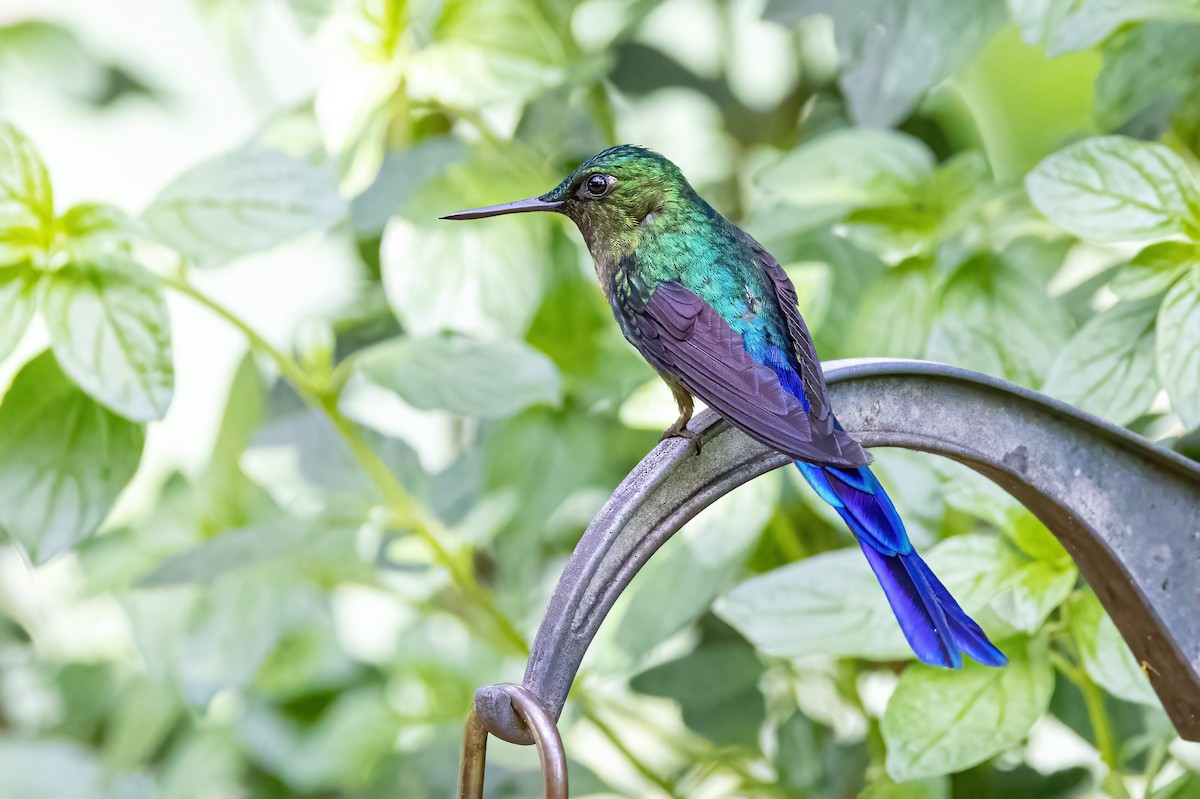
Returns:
<point x="540" y="723"/>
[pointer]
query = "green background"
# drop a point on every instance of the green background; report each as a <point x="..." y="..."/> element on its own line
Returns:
<point x="288" y="467"/>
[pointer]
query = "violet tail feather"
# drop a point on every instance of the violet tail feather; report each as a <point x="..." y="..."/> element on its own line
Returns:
<point x="937" y="629"/>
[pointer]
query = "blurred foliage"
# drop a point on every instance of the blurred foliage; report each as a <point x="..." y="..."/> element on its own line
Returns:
<point x="1006" y="187"/>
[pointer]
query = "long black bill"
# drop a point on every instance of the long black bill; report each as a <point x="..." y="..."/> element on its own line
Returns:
<point x="518" y="207"/>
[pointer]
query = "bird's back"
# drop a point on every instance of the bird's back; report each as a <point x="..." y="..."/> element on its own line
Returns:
<point x="716" y="261"/>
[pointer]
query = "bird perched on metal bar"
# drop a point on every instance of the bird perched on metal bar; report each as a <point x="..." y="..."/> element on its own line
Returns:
<point x="716" y="316"/>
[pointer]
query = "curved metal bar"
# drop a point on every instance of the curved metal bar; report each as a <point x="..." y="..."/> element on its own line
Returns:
<point x="1127" y="511"/>
<point x="543" y="730"/>
<point x="474" y="758"/>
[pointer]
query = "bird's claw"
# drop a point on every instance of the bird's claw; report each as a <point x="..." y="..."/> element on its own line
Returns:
<point x="681" y="431"/>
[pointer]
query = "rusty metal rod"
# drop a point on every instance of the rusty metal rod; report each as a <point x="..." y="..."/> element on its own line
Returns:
<point x="543" y="730"/>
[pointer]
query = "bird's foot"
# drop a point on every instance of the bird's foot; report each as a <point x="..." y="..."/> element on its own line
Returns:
<point x="678" y="430"/>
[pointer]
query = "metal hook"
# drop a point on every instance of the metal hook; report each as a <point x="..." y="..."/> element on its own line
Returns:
<point x="545" y="736"/>
<point x="1125" y="509"/>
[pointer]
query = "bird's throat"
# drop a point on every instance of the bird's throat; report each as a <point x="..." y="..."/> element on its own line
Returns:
<point x="608" y="263"/>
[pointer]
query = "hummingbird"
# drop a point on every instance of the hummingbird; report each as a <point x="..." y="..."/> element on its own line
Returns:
<point x="716" y="316"/>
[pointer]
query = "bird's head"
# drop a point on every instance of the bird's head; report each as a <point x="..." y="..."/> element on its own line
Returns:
<point x="613" y="197"/>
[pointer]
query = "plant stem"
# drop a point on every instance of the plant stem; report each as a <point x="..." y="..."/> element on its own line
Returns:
<point x="410" y="514"/>
<point x="406" y="511"/>
<point x="1093" y="698"/>
<point x="712" y="756"/>
<point x="1154" y="764"/>
<point x="648" y="773"/>
<point x="1098" y="717"/>
<point x="287" y="367"/>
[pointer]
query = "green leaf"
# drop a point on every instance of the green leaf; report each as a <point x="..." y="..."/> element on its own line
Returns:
<point x="789" y="12"/>
<point x="986" y="573"/>
<point x="1153" y="270"/>
<point x="18" y="300"/>
<point x="214" y="637"/>
<point x="1037" y="18"/>
<point x="484" y="379"/>
<point x="828" y="604"/>
<point x="940" y="721"/>
<point x="26" y="198"/>
<point x="855" y="167"/>
<point x="1147" y="68"/>
<point x="93" y="228"/>
<point x="400" y="180"/>
<point x="1185" y="787"/>
<point x="243" y="202"/>
<point x="240" y="420"/>
<point x="1178" y="350"/>
<point x="1105" y="655"/>
<point x="1112" y="188"/>
<point x="1032" y="591"/>
<point x="894" y="233"/>
<point x="145" y="715"/>
<point x="1024" y="584"/>
<point x="111" y="333"/>
<point x="717" y="687"/>
<point x="319" y="463"/>
<point x="1108" y="367"/>
<point x="574" y="328"/>
<point x="64" y="459"/>
<point x="892" y="52"/>
<point x="517" y="28"/>
<point x="894" y="316"/>
<point x="999" y="780"/>
<point x="692" y="569"/>
<point x="541" y="447"/>
<point x="1063" y="26"/>
<point x="353" y="739"/>
<point x="241" y="549"/>
<point x="998" y="320"/>
<point x="1035" y="539"/>
<point x="491" y="51"/>
<point x="1024" y="106"/>
<point x="50" y="769"/>
<point x="831" y="604"/>
<point x="955" y="200"/>
<point x="484" y="280"/>
<point x="972" y="493"/>
<point x="1092" y="20"/>
<point x="63" y="59"/>
<point x="311" y="13"/>
<point x="811" y="758"/>
<point x="204" y="759"/>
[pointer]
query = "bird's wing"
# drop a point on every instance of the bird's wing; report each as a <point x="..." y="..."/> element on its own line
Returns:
<point x="813" y="379"/>
<point x="683" y="335"/>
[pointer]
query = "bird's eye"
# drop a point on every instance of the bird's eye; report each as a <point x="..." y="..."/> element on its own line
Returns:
<point x="597" y="185"/>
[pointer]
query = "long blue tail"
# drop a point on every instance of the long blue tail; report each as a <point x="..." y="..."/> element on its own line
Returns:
<point x="936" y="627"/>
